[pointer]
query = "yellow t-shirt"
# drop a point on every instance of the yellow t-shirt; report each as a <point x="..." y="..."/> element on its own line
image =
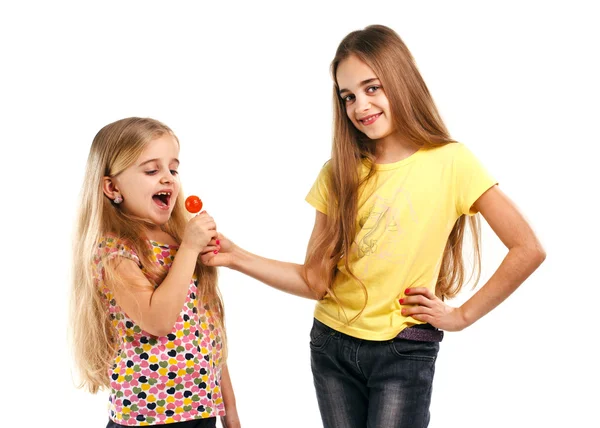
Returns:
<point x="406" y="212"/>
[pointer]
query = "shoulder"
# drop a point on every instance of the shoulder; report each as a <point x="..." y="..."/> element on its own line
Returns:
<point x="110" y="247"/>
<point x="452" y="154"/>
<point x="325" y="173"/>
<point x="448" y="151"/>
<point x="326" y="168"/>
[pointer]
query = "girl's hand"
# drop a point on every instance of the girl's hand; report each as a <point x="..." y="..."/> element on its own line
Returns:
<point x="422" y="304"/>
<point x="199" y="231"/>
<point x="231" y="419"/>
<point x="219" y="252"/>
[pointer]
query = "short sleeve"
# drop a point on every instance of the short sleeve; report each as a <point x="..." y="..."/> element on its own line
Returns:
<point x="319" y="192"/>
<point x="471" y="179"/>
<point x="110" y="248"/>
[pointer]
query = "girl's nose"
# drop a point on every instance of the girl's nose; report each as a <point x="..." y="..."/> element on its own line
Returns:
<point x="363" y="104"/>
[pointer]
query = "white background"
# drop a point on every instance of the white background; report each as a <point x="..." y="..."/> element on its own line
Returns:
<point x="246" y="88"/>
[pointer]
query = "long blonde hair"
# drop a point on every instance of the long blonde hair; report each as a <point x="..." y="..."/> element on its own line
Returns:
<point x="94" y="341"/>
<point x="416" y="118"/>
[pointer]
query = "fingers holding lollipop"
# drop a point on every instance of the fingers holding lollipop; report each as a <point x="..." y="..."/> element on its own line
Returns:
<point x="193" y="204"/>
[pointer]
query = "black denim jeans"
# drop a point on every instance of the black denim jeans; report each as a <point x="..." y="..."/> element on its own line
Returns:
<point x="371" y="384"/>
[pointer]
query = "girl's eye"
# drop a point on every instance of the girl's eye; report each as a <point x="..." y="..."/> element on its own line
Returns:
<point x="348" y="98"/>
<point x="372" y="89"/>
<point x="151" y="172"/>
<point x="174" y="172"/>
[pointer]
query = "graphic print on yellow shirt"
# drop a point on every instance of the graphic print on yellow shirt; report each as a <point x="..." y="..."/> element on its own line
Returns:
<point x="405" y="214"/>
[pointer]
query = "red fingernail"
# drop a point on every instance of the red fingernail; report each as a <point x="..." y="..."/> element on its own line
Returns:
<point x="218" y="242"/>
<point x="401" y="301"/>
<point x="216" y="251"/>
<point x="407" y="291"/>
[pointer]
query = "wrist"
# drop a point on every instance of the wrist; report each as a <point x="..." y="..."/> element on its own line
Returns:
<point x="464" y="317"/>
<point x="185" y="248"/>
<point x="239" y="258"/>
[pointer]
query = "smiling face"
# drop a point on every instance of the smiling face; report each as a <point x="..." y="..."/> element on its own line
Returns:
<point x="364" y="98"/>
<point x="150" y="186"/>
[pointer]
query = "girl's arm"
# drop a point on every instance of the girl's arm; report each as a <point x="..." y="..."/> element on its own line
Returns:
<point x="283" y="276"/>
<point x="156" y="309"/>
<point x="231" y="418"/>
<point x="525" y="255"/>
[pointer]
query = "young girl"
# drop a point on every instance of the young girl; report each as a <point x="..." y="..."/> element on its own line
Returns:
<point x="147" y="315"/>
<point x="385" y="252"/>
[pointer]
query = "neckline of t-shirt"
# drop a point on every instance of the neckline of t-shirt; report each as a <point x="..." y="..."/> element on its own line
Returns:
<point x="162" y="244"/>
<point x="152" y="241"/>
<point x="397" y="164"/>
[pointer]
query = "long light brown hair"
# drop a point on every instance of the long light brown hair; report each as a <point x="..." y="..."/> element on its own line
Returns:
<point x="94" y="341"/>
<point x="416" y="118"/>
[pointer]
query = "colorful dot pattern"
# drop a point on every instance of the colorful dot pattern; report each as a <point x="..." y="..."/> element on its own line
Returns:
<point x="167" y="379"/>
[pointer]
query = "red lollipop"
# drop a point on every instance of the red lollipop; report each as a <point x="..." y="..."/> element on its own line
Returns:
<point x="193" y="204"/>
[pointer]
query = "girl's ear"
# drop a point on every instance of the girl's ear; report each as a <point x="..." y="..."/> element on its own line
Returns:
<point x="109" y="188"/>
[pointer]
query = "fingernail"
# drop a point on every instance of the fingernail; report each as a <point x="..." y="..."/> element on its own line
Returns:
<point x="216" y="251"/>
<point x="218" y="242"/>
<point x="407" y="291"/>
<point x="401" y="301"/>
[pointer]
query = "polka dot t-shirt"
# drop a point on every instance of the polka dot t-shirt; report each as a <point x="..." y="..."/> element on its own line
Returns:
<point x="166" y="379"/>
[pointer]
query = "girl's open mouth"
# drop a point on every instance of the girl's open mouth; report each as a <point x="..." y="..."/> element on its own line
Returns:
<point x="162" y="199"/>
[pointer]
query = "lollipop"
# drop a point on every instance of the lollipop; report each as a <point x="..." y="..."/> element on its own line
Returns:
<point x="193" y="204"/>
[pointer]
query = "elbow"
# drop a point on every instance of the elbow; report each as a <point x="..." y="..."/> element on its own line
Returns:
<point x="319" y="294"/>
<point x="160" y="332"/>
<point x="539" y="253"/>
<point x="159" y="329"/>
<point x="536" y="253"/>
<point x="316" y="291"/>
<point x="317" y="288"/>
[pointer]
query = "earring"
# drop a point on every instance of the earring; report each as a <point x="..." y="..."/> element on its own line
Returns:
<point x="118" y="199"/>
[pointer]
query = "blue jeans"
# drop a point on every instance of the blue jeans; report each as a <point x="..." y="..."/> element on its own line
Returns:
<point x="371" y="384"/>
